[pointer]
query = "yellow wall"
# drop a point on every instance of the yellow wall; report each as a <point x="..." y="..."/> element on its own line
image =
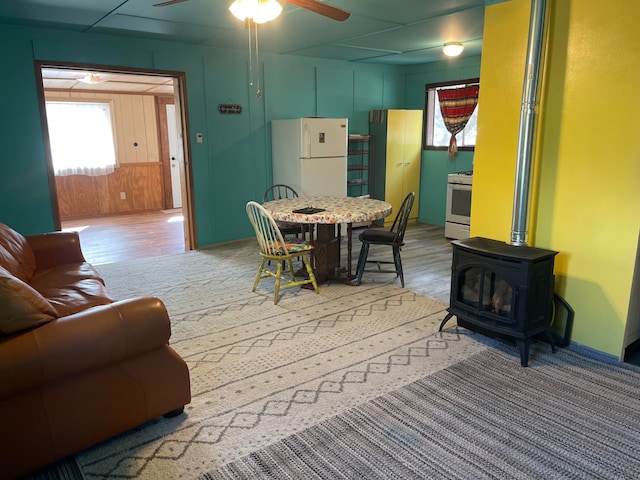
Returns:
<point x="586" y="201"/>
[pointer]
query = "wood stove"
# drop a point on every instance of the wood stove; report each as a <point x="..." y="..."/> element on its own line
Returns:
<point x="502" y="290"/>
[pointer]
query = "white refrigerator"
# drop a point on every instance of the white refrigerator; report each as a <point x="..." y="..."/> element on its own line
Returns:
<point x="310" y="155"/>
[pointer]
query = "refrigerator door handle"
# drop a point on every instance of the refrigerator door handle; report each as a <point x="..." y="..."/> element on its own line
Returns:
<point x="306" y="141"/>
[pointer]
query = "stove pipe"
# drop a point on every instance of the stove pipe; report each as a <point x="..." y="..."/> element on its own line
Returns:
<point x="522" y="196"/>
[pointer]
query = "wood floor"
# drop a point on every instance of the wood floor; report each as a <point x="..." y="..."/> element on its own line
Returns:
<point x="125" y="237"/>
<point x="426" y="256"/>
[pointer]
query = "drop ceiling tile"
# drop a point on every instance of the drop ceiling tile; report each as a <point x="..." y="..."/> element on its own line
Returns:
<point x="72" y="13"/>
<point x="207" y="13"/>
<point x="158" y="28"/>
<point x="405" y="12"/>
<point x="342" y="52"/>
<point x="461" y="26"/>
<point x="427" y="55"/>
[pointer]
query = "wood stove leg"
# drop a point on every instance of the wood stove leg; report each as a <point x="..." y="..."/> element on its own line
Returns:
<point x="523" y="346"/>
<point x="446" y="319"/>
<point x="550" y="338"/>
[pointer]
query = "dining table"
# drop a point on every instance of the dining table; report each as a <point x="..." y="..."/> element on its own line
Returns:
<point x="327" y="214"/>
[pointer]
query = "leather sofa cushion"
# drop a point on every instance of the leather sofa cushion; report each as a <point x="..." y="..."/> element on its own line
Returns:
<point x="16" y="255"/>
<point x="76" y="344"/>
<point x="71" y="288"/>
<point x="23" y="307"/>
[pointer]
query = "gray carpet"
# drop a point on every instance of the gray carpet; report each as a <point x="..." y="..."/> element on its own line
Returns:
<point x="572" y="415"/>
<point x="66" y="469"/>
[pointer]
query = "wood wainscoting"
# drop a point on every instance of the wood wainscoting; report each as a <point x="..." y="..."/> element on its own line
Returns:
<point x="84" y="196"/>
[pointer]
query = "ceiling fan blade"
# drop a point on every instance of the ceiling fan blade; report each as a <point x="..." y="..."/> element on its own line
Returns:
<point x="334" y="13"/>
<point x="169" y="2"/>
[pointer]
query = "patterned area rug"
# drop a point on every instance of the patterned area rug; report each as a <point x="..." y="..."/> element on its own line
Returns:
<point x="570" y="415"/>
<point x="262" y="372"/>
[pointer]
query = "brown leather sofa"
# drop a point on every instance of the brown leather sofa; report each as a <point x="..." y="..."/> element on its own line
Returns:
<point x="76" y="367"/>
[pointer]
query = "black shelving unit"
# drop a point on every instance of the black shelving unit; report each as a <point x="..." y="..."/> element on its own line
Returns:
<point x="360" y="165"/>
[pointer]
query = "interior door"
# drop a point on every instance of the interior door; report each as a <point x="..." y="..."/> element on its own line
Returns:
<point x="412" y="157"/>
<point x="176" y="156"/>
<point x="395" y="161"/>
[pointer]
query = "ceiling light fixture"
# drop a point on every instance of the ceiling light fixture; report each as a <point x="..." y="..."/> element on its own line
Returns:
<point x="253" y="12"/>
<point x="91" y="79"/>
<point x="453" y="49"/>
<point x="260" y="11"/>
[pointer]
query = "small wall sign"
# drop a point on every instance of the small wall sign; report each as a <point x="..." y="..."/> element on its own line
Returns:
<point x="229" y="109"/>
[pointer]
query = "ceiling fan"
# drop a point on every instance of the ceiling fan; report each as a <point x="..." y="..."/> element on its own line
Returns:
<point x="316" y="6"/>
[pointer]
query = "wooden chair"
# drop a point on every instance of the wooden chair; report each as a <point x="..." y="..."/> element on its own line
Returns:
<point x="278" y="192"/>
<point x="273" y="247"/>
<point x="393" y="237"/>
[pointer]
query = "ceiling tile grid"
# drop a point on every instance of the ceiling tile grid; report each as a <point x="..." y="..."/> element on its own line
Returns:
<point x="399" y="32"/>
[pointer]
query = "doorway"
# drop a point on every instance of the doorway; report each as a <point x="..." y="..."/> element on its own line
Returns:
<point x="152" y="172"/>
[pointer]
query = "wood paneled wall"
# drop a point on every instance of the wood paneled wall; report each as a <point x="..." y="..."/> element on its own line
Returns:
<point x="138" y="174"/>
<point x="81" y="195"/>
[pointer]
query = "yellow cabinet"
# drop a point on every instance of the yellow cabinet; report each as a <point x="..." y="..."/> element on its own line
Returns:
<point x="398" y="135"/>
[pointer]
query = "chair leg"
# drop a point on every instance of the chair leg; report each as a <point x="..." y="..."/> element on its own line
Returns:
<point x="362" y="261"/>
<point x="398" y="263"/>
<point x="312" y="276"/>
<point x="276" y="292"/>
<point x="292" y="273"/>
<point x="259" y="275"/>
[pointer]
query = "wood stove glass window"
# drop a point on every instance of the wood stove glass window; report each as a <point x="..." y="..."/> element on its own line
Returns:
<point x="485" y="290"/>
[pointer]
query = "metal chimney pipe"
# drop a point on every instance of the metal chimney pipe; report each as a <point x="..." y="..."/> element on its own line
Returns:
<point x="522" y="195"/>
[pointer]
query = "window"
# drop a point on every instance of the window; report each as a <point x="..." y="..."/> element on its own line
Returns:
<point x="436" y="135"/>
<point x="81" y="137"/>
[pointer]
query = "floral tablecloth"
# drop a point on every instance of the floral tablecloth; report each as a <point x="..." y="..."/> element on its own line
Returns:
<point x="336" y="209"/>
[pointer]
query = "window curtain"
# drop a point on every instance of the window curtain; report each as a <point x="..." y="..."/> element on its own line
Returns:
<point x="81" y="138"/>
<point x="457" y="106"/>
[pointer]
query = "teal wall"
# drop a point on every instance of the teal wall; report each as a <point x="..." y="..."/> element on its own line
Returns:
<point x="232" y="166"/>
<point x="435" y="163"/>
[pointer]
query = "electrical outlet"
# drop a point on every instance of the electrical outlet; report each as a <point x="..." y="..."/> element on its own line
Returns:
<point x="123" y="196"/>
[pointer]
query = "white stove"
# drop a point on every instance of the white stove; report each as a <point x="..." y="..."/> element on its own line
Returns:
<point x="458" y="215"/>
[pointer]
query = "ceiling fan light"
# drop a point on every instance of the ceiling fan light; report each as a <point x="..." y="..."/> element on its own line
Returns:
<point x="267" y="10"/>
<point x="260" y="11"/>
<point x="453" y="49"/>
<point x="241" y="8"/>
<point x="91" y="79"/>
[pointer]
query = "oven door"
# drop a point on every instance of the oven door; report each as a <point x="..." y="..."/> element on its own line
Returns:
<point x="458" y="203"/>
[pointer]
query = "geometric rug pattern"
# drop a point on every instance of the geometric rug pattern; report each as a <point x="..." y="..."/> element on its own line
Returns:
<point x="262" y="372"/>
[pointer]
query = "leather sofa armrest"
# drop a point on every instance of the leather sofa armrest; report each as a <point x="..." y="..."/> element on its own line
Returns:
<point x="56" y="248"/>
<point x="91" y="339"/>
